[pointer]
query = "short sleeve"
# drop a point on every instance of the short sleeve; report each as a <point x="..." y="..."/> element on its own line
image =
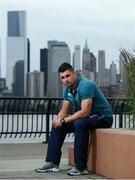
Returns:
<point x="65" y="94"/>
<point x="86" y="91"/>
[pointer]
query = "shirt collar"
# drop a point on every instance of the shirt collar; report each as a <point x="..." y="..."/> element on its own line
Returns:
<point x="76" y="85"/>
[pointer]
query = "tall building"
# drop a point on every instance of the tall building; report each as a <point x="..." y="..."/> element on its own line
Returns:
<point x="16" y="45"/>
<point x="88" y="74"/>
<point x="58" y="53"/>
<point x="107" y="72"/>
<point x="101" y="68"/>
<point x="2" y="84"/>
<point x="93" y="65"/>
<point x="123" y="78"/>
<point x="89" y="63"/>
<point x="35" y="84"/>
<point x="18" y="78"/>
<point x="93" y="62"/>
<point x="113" y="74"/>
<point x="28" y="55"/>
<point x="0" y="57"/>
<point x="44" y="66"/>
<point x="114" y="81"/>
<point x="76" y="58"/>
<point x="86" y="65"/>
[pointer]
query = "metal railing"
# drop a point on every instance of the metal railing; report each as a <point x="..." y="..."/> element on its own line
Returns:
<point x="32" y="116"/>
<point x="27" y="116"/>
<point x="121" y="109"/>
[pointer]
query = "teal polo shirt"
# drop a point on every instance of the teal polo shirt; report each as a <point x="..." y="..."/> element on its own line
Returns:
<point x="87" y="89"/>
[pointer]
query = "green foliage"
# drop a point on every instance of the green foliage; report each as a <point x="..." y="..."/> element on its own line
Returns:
<point x="128" y="60"/>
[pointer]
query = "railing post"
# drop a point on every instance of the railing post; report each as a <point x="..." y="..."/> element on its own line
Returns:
<point x="121" y="115"/>
<point x="120" y="120"/>
<point x="48" y="121"/>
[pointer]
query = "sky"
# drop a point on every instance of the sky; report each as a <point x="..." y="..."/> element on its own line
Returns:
<point x="107" y="24"/>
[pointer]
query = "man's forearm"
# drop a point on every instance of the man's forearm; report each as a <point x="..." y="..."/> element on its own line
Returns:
<point x="61" y="115"/>
<point x="76" y="115"/>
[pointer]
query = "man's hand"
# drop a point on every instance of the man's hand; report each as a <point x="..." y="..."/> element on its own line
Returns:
<point x="56" y="122"/>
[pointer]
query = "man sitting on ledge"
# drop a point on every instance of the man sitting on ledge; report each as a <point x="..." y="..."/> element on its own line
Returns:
<point x="91" y="110"/>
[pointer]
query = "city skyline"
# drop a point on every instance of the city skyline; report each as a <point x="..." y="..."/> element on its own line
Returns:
<point x="106" y="25"/>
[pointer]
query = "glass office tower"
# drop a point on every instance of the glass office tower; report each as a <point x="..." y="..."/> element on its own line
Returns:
<point x="16" y="46"/>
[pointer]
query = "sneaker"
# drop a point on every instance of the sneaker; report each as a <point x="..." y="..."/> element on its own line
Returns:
<point x="48" y="167"/>
<point x="76" y="172"/>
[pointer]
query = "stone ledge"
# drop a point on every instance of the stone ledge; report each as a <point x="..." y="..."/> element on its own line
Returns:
<point x="111" y="153"/>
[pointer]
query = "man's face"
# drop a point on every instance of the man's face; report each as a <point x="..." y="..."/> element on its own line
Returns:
<point x="68" y="78"/>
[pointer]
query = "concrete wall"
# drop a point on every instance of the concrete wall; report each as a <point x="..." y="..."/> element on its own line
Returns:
<point x="111" y="153"/>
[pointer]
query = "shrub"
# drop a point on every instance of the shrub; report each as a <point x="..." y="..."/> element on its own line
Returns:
<point x="128" y="60"/>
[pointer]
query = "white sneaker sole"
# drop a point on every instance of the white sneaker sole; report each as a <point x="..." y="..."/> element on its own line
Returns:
<point x="54" y="169"/>
<point x="79" y="173"/>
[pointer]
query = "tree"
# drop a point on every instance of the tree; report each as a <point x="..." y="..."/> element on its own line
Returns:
<point x="128" y="60"/>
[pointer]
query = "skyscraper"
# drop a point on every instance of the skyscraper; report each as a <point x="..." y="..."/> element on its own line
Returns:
<point x="76" y="58"/>
<point x="28" y="55"/>
<point x="123" y="79"/>
<point x="101" y="68"/>
<point x="16" y="45"/>
<point x="93" y="65"/>
<point x="35" y="84"/>
<point x="88" y="63"/>
<point x="113" y="74"/>
<point x="86" y="58"/>
<point x="18" y="78"/>
<point x="0" y="57"/>
<point x="44" y="66"/>
<point x="58" y="53"/>
<point x="93" y="62"/>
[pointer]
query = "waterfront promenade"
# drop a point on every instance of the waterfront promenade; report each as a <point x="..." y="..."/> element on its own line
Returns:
<point x="18" y="161"/>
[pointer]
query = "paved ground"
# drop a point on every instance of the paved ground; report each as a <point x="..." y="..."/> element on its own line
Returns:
<point x="18" y="161"/>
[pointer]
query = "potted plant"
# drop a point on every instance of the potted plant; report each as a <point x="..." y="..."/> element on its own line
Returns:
<point x="128" y="60"/>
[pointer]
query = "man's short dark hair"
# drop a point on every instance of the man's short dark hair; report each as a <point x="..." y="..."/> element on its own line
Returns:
<point x="64" y="67"/>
